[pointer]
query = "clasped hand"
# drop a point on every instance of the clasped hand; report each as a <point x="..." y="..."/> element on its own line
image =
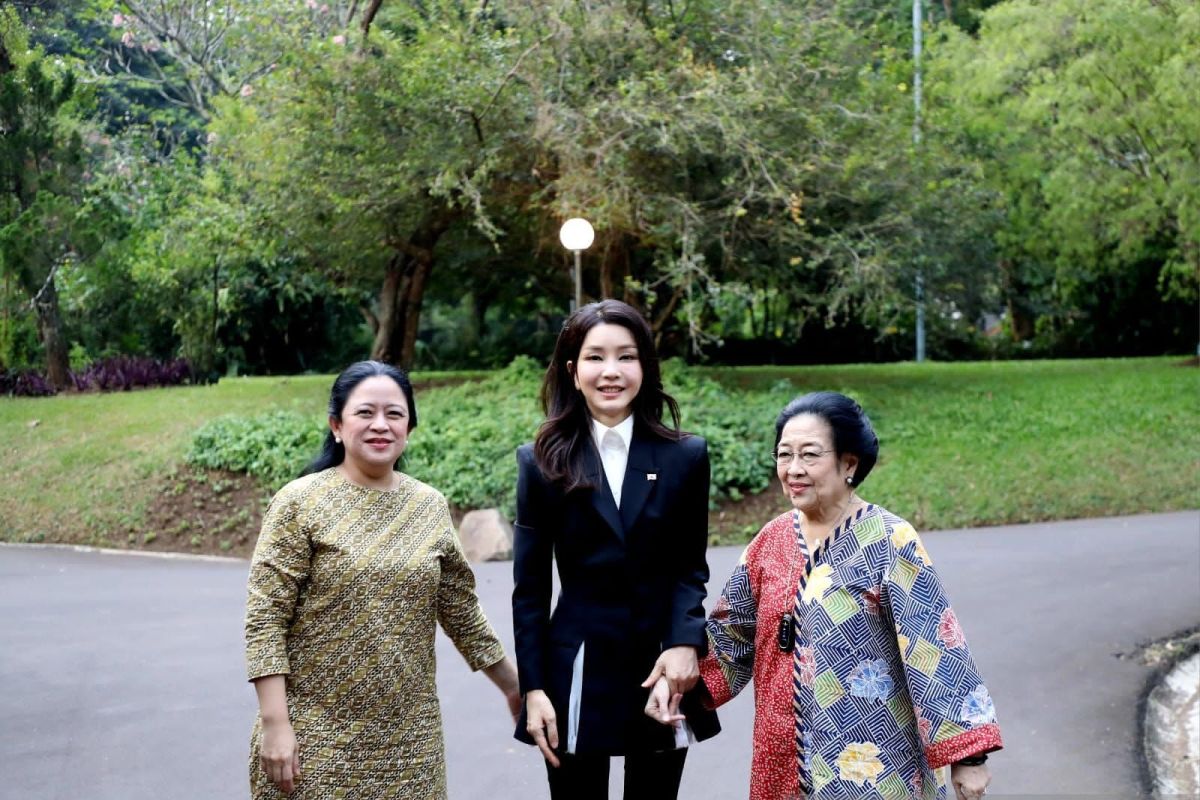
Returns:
<point x="679" y="666"/>
<point x="675" y="673"/>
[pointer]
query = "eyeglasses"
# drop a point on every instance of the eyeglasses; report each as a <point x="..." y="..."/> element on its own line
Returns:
<point x="783" y="458"/>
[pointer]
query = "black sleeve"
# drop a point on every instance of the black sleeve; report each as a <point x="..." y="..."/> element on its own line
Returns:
<point x="687" y="602"/>
<point x="533" y="548"/>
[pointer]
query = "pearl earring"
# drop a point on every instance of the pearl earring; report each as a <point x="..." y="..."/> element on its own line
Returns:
<point x="849" y="480"/>
<point x="337" y="439"/>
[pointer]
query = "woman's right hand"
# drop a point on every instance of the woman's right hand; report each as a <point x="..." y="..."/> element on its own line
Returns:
<point x="280" y="755"/>
<point x="541" y="723"/>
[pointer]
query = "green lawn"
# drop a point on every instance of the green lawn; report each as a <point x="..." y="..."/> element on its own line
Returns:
<point x="961" y="444"/>
<point x="987" y="443"/>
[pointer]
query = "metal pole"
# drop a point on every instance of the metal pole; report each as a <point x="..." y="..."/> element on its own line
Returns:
<point x="920" y="317"/>
<point x="916" y="21"/>
<point x="916" y="137"/>
<point x="578" y="283"/>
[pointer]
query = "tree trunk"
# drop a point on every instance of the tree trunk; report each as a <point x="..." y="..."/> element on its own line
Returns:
<point x="412" y="308"/>
<point x="387" y="314"/>
<point x="1015" y="292"/>
<point x="403" y="291"/>
<point x="49" y="323"/>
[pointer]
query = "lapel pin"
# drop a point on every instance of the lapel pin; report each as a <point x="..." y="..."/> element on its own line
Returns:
<point x="651" y="476"/>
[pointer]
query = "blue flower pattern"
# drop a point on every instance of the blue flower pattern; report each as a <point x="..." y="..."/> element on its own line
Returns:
<point x="871" y="680"/>
<point x="977" y="707"/>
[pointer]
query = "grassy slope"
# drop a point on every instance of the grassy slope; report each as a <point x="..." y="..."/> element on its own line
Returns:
<point x="995" y="442"/>
<point x="85" y="472"/>
<point x="962" y="444"/>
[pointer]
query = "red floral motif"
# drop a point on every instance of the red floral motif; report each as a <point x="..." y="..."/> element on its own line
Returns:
<point x="924" y="726"/>
<point x="720" y="613"/>
<point x="949" y="631"/>
<point x="808" y="665"/>
<point x="871" y="600"/>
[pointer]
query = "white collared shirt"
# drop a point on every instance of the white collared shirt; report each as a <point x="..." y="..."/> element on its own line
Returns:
<point x="613" y="444"/>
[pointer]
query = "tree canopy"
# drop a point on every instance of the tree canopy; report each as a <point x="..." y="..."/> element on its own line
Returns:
<point x="278" y="185"/>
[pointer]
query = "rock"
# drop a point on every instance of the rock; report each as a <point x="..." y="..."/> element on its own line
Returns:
<point x="486" y="536"/>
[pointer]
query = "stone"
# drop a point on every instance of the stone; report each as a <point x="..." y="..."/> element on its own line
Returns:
<point x="486" y="536"/>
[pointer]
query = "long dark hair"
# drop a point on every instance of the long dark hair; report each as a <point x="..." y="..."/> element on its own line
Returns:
<point x="334" y="452"/>
<point x="852" y="431"/>
<point x="563" y="438"/>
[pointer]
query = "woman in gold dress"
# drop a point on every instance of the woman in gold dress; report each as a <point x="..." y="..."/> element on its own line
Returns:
<point x="356" y="565"/>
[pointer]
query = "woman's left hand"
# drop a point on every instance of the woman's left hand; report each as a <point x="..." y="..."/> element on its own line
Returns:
<point x="970" y="783"/>
<point x="662" y="706"/>
<point x="679" y="666"/>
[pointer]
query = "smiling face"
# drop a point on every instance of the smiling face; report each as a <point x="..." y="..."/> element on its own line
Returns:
<point x="608" y="372"/>
<point x="373" y="428"/>
<point x="817" y="489"/>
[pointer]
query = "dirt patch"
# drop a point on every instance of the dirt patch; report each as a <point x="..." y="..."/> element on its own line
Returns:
<point x="1194" y="361"/>
<point x="736" y="522"/>
<point x="206" y="512"/>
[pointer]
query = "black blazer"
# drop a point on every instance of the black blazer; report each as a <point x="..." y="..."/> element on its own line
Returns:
<point x="632" y="585"/>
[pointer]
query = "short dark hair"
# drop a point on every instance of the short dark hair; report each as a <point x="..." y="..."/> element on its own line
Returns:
<point x="332" y="451"/>
<point x="852" y="431"/>
<point x="560" y="442"/>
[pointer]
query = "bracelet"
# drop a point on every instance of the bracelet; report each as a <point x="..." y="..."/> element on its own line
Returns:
<point x="972" y="761"/>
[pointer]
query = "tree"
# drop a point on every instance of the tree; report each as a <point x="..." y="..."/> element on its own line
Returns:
<point x="1079" y="114"/>
<point x="42" y="159"/>
<point x="363" y="158"/>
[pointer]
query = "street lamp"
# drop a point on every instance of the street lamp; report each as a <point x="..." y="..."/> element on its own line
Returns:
<point x="577" y="235"/>
<point x="916" y="138"/>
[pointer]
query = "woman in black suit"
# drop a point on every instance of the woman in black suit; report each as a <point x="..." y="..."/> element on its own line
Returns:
<point x="620" y="500"/>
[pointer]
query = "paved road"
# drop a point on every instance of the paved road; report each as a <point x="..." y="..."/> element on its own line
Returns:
<point x="121" y="676"/>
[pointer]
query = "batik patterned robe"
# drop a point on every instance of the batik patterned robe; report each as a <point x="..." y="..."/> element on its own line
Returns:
<point x="884" y="690"/>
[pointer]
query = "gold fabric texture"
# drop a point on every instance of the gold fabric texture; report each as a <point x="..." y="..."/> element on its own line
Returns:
<point x="346" y="588"/>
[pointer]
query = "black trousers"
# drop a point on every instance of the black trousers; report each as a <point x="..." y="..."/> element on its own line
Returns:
<point x="648" y="776"/>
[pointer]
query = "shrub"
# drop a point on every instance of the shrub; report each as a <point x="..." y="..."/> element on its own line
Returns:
<point x="120" y="373"/>
<point x="468" y="435"/>
<point x="273" y="447"/>
<point x="27" y="383"/>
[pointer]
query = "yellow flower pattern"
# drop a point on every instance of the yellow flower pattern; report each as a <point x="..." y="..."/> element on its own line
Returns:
<point x="818" y="583"/>
<point x="905" y="533"/>
<point x="859" y="763"/>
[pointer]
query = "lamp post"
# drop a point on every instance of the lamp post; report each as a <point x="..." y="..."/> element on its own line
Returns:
<point x="577" y="235"/>
<point x="916" y="138"/>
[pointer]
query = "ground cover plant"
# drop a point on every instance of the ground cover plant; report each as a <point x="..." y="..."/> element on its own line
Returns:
<point x="962" y="444"/>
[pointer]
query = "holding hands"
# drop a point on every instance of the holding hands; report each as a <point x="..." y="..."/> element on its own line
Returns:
<point x="662" y="706"/>
<point x="675" y="672"/>
<point x="679" y="666"/>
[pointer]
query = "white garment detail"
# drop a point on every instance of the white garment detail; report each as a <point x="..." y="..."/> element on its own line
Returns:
<point x="613" y="444"/>
<point x="574" y="702"/>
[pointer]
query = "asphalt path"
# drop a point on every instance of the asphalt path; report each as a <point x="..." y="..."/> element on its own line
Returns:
<point x="121" y="675"/>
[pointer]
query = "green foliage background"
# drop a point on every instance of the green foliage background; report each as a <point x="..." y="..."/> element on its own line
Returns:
<point x="262" y="195"/>
<point x="961" y="445"/>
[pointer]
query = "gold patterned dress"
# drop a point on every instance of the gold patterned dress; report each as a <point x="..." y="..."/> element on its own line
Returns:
<point x="346" y="588"/>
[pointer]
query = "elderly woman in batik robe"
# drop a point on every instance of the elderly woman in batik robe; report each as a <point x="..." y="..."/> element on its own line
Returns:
<point x="864" y="686"/>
